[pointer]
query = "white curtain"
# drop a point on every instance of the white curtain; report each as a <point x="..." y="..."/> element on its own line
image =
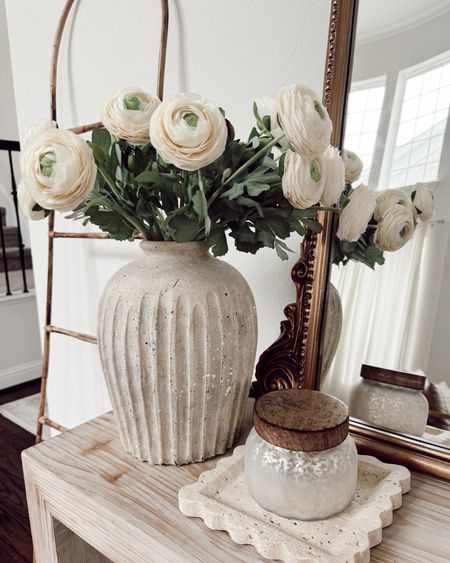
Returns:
<point x="389" y="313"/>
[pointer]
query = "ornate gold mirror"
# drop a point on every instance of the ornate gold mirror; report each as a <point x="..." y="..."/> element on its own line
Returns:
<point x="389" y="287"/>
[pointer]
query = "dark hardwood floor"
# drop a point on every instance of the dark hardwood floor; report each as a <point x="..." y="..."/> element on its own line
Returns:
<point x="15" y="537"/>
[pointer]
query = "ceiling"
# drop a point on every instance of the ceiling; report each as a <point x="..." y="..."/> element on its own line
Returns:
<point x="383" y="18"/>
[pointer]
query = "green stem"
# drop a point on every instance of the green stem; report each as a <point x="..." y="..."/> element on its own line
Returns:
<point x="117" y="208"/>
<point x="253" y="159"/>
<point x="241" y="169"/>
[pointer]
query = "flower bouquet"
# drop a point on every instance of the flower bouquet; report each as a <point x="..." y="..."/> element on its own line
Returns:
<point x="371" y="224"/>
<point x="174" y="171"/>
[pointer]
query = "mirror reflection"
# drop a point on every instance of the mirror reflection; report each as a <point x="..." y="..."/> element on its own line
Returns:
<point x="392" y="363"/>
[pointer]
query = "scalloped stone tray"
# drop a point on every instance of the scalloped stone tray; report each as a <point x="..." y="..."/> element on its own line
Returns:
<point x="221" y="498"/>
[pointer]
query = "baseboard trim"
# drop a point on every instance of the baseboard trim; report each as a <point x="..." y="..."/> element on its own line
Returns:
<point x="20" y="374"/>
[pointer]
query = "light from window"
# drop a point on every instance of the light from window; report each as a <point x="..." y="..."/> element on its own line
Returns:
<point x="421" y="128"/>
<point x="363" y="117"/>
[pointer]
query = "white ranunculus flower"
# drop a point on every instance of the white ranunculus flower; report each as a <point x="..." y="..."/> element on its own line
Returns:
<point x="38" y="128"/>
<point x="188" y="131"/>
<point x="58" y="169"/>
<point x="268" y="106"/>
<point x="356" y="214"/>
<point x="395" y="228"/>
<point x="353" y="166"/>
<point x="305" y="120"/>
<point x="387" y="198"/>
<point x="127" y="113"/>
<point x="303" y="180"/>
<point x="334" y="182"/>
<point x="423" y="202"/>
<point x="27" y="204"/>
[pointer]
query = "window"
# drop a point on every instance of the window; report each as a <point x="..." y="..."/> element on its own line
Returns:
<point x="422" y="102"/>
<point x="363" y="117"/>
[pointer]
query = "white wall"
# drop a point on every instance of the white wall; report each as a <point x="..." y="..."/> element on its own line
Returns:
<point x="20" y="354"/>
<point x="230" y="51"/>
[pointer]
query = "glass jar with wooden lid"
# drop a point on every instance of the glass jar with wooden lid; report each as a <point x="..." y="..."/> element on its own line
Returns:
<point x="391" y="399"/>
<point x="300" y="461"/>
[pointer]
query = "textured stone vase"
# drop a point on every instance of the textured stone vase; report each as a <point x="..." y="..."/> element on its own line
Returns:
<point x="177" y="338"/>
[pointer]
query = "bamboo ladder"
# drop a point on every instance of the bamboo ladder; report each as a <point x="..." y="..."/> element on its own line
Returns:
<point x="49" y="329"/>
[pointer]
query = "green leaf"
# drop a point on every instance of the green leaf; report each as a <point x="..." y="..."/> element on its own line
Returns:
<point x="374" y="255"/>
<point x="257" y="116"/>
<point x="148" y="177"/>
<point x="266" y="122"/>
<point x="278" y="226"/>
<point x="256" y="189"/>
<point x="110" y="222"/>
<point x="235" y="191"/>
<point x="266" y="237"/>
<point x="200" y="206"/>
<point x="247" y="202"/>
<point x="280" y="250"/>
<point x="313" y="225"/>
<point x="99" y="153"/>
<point x="102" y="138"/>
<point x="183" y="229"/>
<point x="217" y="241"/>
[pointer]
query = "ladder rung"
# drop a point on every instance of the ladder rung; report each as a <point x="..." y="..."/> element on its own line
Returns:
<point x="60" y="234"/>
<point x="47" y="422"/>
<point x="98" y="236"/>
<point x="72" y="333"/>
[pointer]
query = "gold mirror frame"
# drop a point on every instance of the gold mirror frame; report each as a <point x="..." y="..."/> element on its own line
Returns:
<point x="389" y="446"/>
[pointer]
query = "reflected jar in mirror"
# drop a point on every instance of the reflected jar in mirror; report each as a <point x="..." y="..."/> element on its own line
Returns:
<point x="300" y="461"/>
<point x="391" y="400"/>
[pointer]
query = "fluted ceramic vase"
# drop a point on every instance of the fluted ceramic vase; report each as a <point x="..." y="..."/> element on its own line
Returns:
<point x="177" y="338"/>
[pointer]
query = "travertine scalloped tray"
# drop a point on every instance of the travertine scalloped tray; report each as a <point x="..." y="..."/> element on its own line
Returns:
<point x="221" y="498"/>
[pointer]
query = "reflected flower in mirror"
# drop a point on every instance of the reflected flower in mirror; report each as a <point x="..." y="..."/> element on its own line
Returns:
<point x="376" y="223"/>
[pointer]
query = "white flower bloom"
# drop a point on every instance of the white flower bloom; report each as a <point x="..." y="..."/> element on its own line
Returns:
<point x="423" y="202"/>
<point x="305" y="120"/>
<point x="395" y="228"/>
<point x="334" y="182"/>
<point x="303" y="180"/>
<point x="356" y="214"/>
<point x="127" y="113"/>
<point x="188" y="131"/>
<point x="58" y="169"/>
<point x="387" y="198"/>
<point x="38" y="128"/>
<point x="353" y="166"/>
<point x="268" y="106"/>
<point x="27" y="204"/>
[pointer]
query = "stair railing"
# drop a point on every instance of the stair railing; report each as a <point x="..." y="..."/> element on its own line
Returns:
<point x="10" y="147"/>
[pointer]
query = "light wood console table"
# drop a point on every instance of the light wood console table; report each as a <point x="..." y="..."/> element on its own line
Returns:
<point x="89" y="501"/>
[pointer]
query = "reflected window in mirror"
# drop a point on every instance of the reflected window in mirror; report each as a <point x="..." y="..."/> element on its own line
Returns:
<point x="396" y="316"/>
<point x="418" y="123"/>
<point x="363" y="118"/>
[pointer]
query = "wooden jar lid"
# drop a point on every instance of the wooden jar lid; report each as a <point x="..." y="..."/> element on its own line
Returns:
<point x="400" y="378"/>
<point x="301" y="419"/>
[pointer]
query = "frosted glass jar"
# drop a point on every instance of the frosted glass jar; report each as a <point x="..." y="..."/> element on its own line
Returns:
<point x="294" y="483"/>
<point x="391" y="400"/>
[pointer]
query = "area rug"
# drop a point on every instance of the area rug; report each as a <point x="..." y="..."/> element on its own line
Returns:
<point x="23" y="412"/>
